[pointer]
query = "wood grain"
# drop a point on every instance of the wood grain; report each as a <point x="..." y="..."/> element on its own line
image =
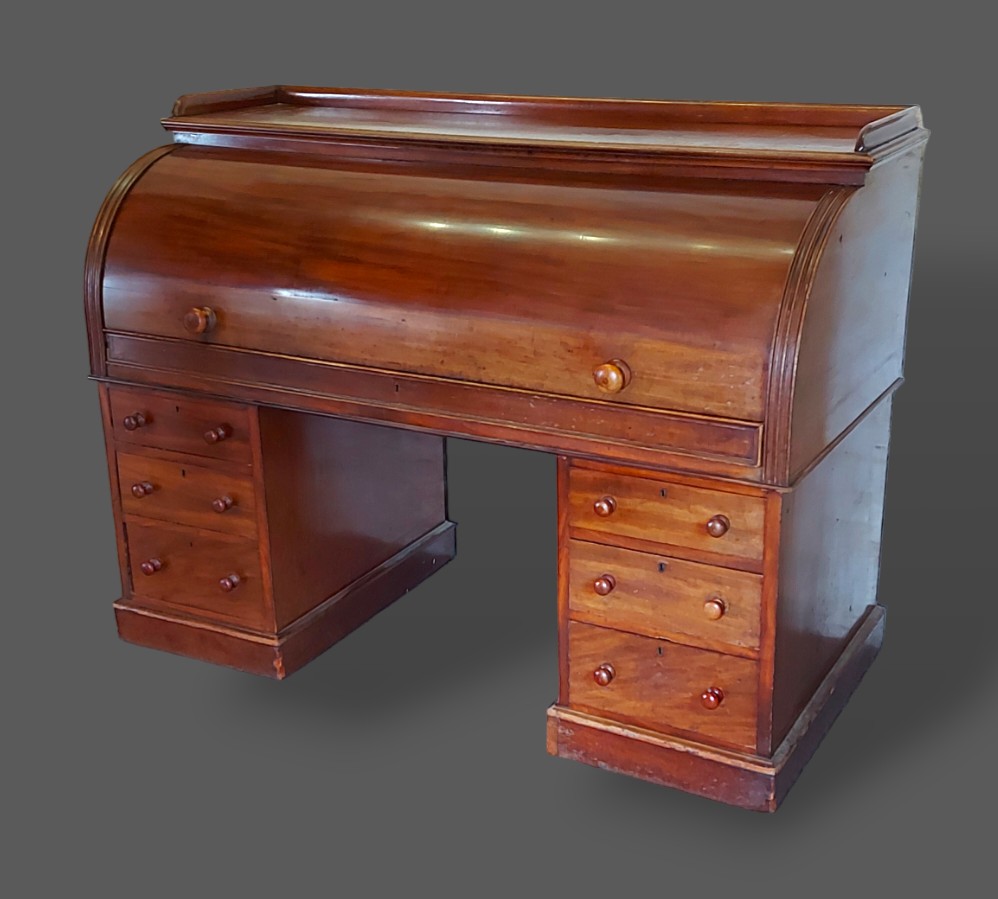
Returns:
<point x="193" y="563"/>
<point x="699" y="307"/>
<point x="759" y="784"/>
<point x="495" y="282"/>
<point x="852" y="338"/>
<point x="736" y="140"/>
<point x="662" y="596"/>
<point x="179" y="423"/>
<point x="668" y="513"/>
<point x="184" y="493"/>
<point x="342" y="497"/>
<point x="278" y="656"/>
<point x="503" y="415"/>
<point x="829" y="561"/>
<point x="658" y="685"/>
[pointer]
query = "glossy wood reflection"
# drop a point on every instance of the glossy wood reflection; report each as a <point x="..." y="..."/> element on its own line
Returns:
<point x="699" y="307"/>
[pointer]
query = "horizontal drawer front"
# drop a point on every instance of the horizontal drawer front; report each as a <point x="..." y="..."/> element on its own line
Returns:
<point x="659" y="685"/>
<point x="188" y="494"/>
<point x="566" y="424"/>
<point x="664" y="512"/>
<point x="663" y="597"/>
<point x="187" y="568"/>
<point x="174" y="422"/>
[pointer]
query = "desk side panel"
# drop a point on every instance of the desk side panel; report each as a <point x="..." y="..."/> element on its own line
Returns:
<point x="342" y="497"/>
<point x="829" y="559"/>
<point x="852" y="343"/>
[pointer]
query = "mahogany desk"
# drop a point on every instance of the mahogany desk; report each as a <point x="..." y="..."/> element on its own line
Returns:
<point x="699" y="307"/>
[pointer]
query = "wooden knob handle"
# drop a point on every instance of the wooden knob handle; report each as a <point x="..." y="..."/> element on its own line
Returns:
<point x="714" y="608"/>
<point x="711" y="698"/>
<point x="605" y="506"/>
<point x="150" y="566"/>
<point x="217" y="435"/>
<point x="200" y="319"/>
<point x="222" y="504"/>
<point x="144" y="488"/>
<point x="230" y="582"/>
<point x="612" y="376"/>
<point x="604" y="584"/>
<point x="134" y="421"/>
<point x="604" y="674"/>
<point x="718" y="526"/>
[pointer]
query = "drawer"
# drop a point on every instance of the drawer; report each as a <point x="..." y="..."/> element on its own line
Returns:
<point x="661" y="686"/>
<point x="186" y="567"/>
<point x="663" y="597"/>
<point x="175" y="422"/>
<point x="660" y="511"/>
<point x="188" y="494"/>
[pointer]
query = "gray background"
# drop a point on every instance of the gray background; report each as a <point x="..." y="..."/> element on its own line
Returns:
<point x="412" y="755"/>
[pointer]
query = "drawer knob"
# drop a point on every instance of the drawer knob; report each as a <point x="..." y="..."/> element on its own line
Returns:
<point x="142" y="489"/>
<point x="150" y="566"/>
<point x="718" y="526"/>
<point x="230" y="582"/>
<point x="715" y="608"/>
<point x="604" y="674"/>
<point x="200" y="319"/>
<point x="134" y="421"/>
<point x="217" y="435"/>
<point x="711" y="698"/>
<point x="222" y="504"/>
<point x="605" y="506"/>
<point x="612" y="376"/>
<point x="604" y="584"/>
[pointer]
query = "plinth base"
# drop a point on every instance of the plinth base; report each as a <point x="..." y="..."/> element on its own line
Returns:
<point x="744" y="780"/>
<point x="281" y="654"/>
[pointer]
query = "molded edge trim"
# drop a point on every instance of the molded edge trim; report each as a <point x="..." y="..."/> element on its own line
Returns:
<point x="281" y="654"/>
<point x="93" y="267"/>
<point x="789" y="330"/>
<point x="747" y="781"/>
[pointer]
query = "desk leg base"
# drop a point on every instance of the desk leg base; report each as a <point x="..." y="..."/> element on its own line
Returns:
<point x="748" y="781"/>
<point x="281" y="654"/>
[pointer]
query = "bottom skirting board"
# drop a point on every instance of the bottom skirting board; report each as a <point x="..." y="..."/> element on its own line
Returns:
<point x="744" y="780"/>
<point x="280" y="655"/>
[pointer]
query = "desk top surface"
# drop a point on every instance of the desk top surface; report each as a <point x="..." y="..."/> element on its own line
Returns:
<point x="654" y="130"/>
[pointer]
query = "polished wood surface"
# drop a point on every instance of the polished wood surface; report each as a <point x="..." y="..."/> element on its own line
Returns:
<point x="700" y="307"/>
<point x="829" y="563"/>
<point x="663" y="596"/>
<point x="181" y="567"/>
<point x="543" y="282"/>
<point x="805" y="142"/>
<point x="364" y="490"/>
<point x="187" y="493"/>
<point x="751" y="782"/>
<point x="658" y="684"/>
<point x="663" y="512"/>
<point x="501" y="415"/>
<point x="280" y="655"/>
<point x="180" y="423"/>
<point x="851" y="349"/>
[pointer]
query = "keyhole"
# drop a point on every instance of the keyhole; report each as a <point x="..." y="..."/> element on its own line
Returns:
<point x="662" y="566"/>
